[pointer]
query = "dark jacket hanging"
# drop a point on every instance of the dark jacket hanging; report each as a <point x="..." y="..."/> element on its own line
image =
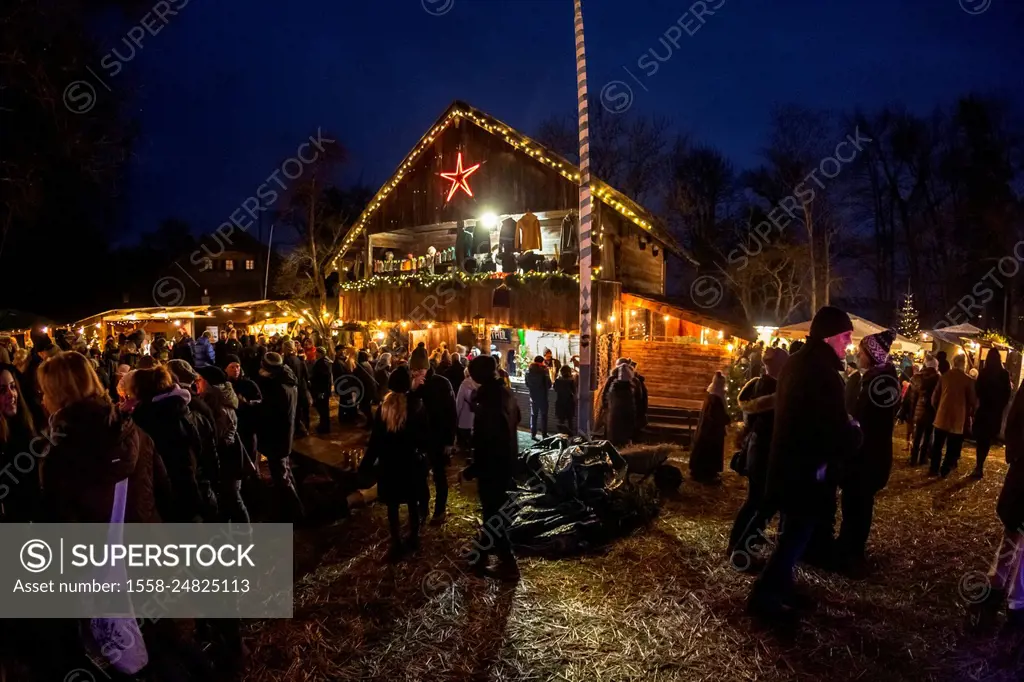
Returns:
<point x="507" y="235"/>
<point x="481" y="238"/>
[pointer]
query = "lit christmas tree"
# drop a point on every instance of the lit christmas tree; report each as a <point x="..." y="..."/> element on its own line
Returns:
<point x="909" y="325"/>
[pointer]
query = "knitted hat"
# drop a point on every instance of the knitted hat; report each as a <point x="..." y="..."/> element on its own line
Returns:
<point x="622" y="361"/>
<point x="400" y="380"/>
<point x="272" y="360"/>
<point x="931" y="362"/>
<point x="182" y="371"/>
<point x="321" y="350"/>
<point x="830" y="321"/>
<point x="482" y="368"/>
<point x="212" y="375"/>
<point x="231" y="357"/>
<point x="877" y="345"/>
<point x="419" y="360"/>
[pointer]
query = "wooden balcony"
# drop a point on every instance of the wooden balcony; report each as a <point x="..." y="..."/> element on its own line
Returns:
<point x="536" y="301"/>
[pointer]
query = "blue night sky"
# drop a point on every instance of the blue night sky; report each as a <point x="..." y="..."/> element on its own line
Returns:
<point x="228" y="89"/>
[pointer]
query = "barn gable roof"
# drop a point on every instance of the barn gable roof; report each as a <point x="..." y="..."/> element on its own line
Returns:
<point x="601" y="191"/>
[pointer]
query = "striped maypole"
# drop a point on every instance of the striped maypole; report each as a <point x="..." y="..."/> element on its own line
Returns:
<point x="585" y="407"/>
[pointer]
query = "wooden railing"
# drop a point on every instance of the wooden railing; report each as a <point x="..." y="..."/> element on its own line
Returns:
<point x="534" y="305"/>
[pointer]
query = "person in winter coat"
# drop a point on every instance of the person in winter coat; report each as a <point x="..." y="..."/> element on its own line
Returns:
<point x="495" y="450"/>
<point x="321" y="383"/>
<point x="565" y="400"/>
<point x="707" y="457"/>
<point x="464" y="409"/>
<point x="993" y="389"/>
<point x="640" y="389"/>
<point x="162" y="412"/>
<point x="279" y="387"/>
<point x="204" y="352"/>
<point x="954" y="401"/>
<point x="380" y="375"/>
<point x="92" y="449"/>
<point x="394" y="453"/>
<point x="362" y="371"/>
<point x="232" y="346"/>
<point x="538" y="382"/>
<point x="812" y="433"/>
<point x="867" y="472"/>
<point x="184" y="348"/>
<point x="438" y="432"/>
<point x="249" y="399"/>
<point x="297" y="365"/>
<point x="456" y="373"/>
<point x="19" y="501"/>
<point x="620" y="397"/>
<point x="108" y="366"/>
<point x="757" y="400"/>
<point x="1006" y="576"/>
<point x="922" y="386"/>
<point x="217" y="393"/>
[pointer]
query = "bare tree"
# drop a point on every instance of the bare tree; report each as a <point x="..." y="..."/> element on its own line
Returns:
<point x="628" y="152"/>
<point x="320" y="215"/>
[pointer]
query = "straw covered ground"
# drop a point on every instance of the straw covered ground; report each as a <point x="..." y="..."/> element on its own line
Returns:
<point x="661" y="604"/>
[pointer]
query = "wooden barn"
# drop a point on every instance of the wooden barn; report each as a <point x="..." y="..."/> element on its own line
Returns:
<point x="474" y="240"/>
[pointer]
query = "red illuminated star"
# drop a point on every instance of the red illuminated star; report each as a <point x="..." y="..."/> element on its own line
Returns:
<point x="458" y="178"/>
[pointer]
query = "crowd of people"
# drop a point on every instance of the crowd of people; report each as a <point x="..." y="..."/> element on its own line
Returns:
<point x="818" y="436"/>
<point x="184" y="422"/>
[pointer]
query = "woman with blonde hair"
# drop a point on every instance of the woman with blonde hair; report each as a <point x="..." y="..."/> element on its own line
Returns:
<point x="93" y="449"/>
<point x="392" y="452"/>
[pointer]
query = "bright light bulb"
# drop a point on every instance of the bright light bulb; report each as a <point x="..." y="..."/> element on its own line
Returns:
<point x="611" y="318"/>
<point x="666" y="319"/>
<point x="489" y="220"/>
<point x="633" y="313"/>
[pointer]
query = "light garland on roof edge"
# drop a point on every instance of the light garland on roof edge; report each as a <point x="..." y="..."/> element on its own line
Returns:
<point x="603" y="193"/>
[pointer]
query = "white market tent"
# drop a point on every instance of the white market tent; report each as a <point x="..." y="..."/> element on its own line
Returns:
<point x="861" y="328"/>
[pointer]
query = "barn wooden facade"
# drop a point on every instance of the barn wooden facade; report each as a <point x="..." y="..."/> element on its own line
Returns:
<point x="428" y="254"/>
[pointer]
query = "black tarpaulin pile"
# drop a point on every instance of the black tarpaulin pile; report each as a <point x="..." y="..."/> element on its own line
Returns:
<point x="576" y="495"/>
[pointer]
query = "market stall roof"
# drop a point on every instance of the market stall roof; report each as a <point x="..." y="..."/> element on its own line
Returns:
<point x="275" y="308"/>
<point x="953" y="335"/>
<point x="602" y="191"/>
<point x="672" y="306"/>
<point x="861" y="328"/>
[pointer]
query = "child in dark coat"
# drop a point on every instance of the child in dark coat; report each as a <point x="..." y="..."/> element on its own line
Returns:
<point x="393" y="453"/>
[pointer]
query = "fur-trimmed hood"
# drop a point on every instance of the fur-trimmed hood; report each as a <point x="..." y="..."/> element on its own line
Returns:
<point x="751" y="403"/>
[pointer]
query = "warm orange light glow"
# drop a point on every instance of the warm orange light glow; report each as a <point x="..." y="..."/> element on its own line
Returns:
<point x="611" y="318"/>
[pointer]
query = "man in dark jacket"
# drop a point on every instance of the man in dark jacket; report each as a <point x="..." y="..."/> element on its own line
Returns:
<point x="279" y="388"/>
<point x="538" y="381"/>
<point x="249" y="399"/>
<point x="298" y="367"/>
<point x="184" y="348"/>
<point x="812" y="434"/>
<point x="867" y="472"/>
<point x="435" y="393"/>
<point x="495" y="448"/>
<point x="456" y="373"/>
<point x="321" y="382"/>
<point x="922" y="386"/>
